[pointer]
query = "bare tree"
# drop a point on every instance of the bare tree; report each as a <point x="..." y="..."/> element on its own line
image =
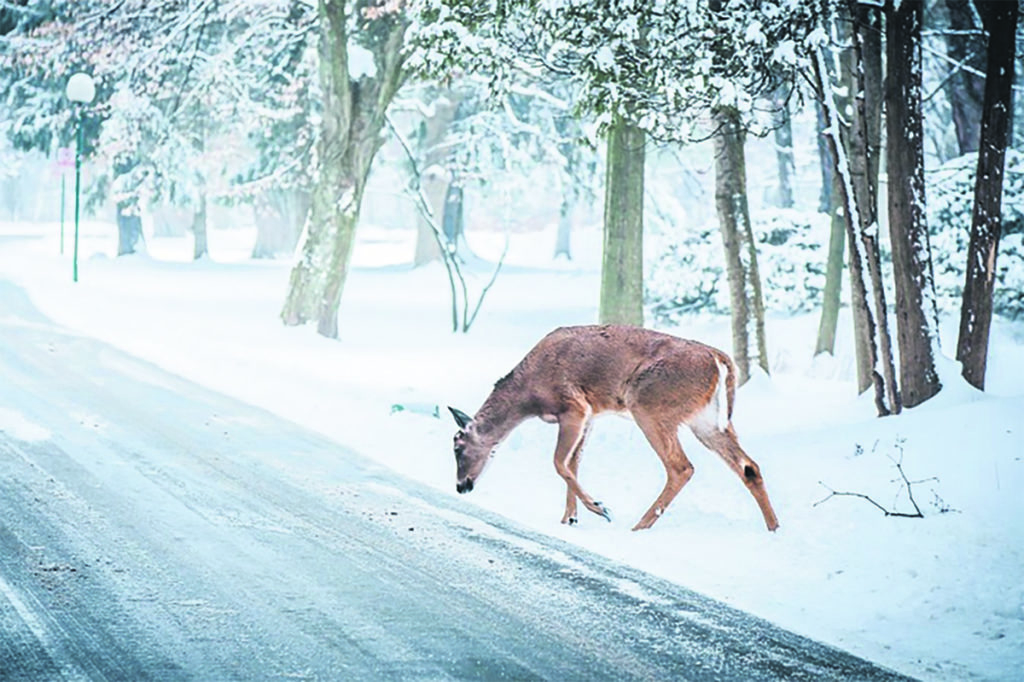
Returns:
<point x="1000" y="20"/>
<point x="916" y="314"/>
<point x="355" y="101"/>
<point x="746" y="301"/>
<point x="855" y="155"/>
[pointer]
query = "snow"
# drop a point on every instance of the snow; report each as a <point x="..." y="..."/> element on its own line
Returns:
<point x="939" y="598"/>
<point x="17" y="426"/>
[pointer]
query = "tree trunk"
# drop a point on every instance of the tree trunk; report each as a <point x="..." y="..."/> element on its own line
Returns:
<point x="830" y="201"/>
<point x="622" y="261"/>
<point x="783" y="149"/>
<point x="966" y="90"/>
<point x="826" y="202"/>
<point x="865" y="142"/>
<point x="436" y="176"/>
<point x="748" y="334"/>
<point x="831" y="296"/>
<point x="199" y="242"/>
<point x="562" y="238"/>
<point x="986" y="223"/>
<point x="350" y="136"/>
<point x="916" y="313"/>
<point x="876" y="367"/>
<point x="280" y="216"/>
<point x="452" y="224"/>
<point x="863" y="294"/>
<point x="129" y="227"/>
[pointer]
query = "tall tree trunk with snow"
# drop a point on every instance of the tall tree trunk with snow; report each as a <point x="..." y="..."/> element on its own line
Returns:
<point x="986" y="223"/>
<point x="435" y="176"/>
<point x="829" y="201"/>
<point x="965" y="88"/>
<point x="865" y="278"/>
<point x="916" y="313"/>
<point x="864" y="152"/>
<point x="876" y="366"/>
<point x="350" y="136"/>
<point x="783" y="149"/>
<point x="622" y="283"/>
<point x="746" y="301"/>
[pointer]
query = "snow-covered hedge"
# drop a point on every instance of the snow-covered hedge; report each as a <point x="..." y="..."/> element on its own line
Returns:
<point x="686" y="269"/>
<point x="950" y="203"/>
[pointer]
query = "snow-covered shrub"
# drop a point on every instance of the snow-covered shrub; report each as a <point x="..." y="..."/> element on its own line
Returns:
<point x="687" y="268"/>
<point x="950" y="203"/>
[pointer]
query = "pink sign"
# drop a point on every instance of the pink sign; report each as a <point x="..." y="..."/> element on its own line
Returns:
<point x="65" y="157"/>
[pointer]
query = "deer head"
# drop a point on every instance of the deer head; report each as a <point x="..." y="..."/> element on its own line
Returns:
<point x="471" y="451"/>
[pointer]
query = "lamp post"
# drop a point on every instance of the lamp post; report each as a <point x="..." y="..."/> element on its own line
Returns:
<point x="80" y="89"/>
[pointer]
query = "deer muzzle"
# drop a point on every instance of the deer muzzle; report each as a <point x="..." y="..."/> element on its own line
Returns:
<point x="464" y="486"/>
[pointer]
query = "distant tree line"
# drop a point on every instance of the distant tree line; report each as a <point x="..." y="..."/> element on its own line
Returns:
<point x="285" y="105"/>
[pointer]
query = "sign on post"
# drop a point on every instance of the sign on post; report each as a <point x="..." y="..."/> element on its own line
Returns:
<point x="65" y="158"/>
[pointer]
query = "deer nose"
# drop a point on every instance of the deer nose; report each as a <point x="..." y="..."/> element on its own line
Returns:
<point x="464" y="486"/>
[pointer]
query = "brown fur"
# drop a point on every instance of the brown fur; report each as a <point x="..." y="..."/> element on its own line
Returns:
<point x="574" y="373"/>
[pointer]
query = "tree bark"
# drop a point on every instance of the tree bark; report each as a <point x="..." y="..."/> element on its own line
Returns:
<point x="826" y="202"/>
<point x="986" y="222"/>
<point x="436" y="176"/>
<point x="783" y="150"/>
<point x="831" y="296"/>
<point x="622" y="261"/>
<point x="966" y="90"/>
<point x="199" y="243"/>
<point x="129" y="227"/>
<point x="916" y="313"/>
<point x="280" y="216"/>
<point x="865" y="143"/>
<point x="864" y="297"/>
<point x="746" y="301"/>
<point x="830" y="201"/>
<point x="350" y="136"/>
<point x="562" y="238"/>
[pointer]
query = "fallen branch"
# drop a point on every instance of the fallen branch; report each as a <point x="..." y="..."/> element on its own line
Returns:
<point x="902" y="480"/>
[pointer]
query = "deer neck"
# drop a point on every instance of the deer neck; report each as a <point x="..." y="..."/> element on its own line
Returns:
<point x="499" y="414"/>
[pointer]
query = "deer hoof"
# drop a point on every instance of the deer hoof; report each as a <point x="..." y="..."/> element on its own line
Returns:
<point x="603" y="511"/>
<point x="572" y="521"/>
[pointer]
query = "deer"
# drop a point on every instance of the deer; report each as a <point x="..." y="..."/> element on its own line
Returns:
<point x="576" y="373"/>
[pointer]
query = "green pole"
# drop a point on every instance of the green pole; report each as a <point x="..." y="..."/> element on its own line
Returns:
<point x="63" y="183"/>
<point x="78" y="183"/>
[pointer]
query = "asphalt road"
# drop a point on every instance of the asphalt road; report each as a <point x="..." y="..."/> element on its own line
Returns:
<point x="166" y="532"/>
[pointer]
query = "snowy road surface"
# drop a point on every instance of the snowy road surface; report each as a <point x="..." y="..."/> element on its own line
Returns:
<point x="152" y="529"/>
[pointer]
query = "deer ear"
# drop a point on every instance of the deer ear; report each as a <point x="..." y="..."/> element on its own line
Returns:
<point x="461" y="418"/>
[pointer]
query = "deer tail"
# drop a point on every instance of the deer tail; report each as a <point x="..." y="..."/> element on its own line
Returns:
<point x="726" y="391"/>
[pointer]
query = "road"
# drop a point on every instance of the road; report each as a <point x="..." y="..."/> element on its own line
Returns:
<point x="152" y="529"/>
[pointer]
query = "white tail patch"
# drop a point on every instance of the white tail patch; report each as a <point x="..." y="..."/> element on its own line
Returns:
<point x="722" y="396"/>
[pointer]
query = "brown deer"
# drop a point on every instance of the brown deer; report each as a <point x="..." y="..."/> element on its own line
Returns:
<point x="574" y="373"/>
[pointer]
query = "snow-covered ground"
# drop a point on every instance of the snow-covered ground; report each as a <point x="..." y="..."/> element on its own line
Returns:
<point x="938" y="598"/>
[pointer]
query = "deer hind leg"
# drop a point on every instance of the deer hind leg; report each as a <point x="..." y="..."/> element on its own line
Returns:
<point x="572" y="427"/>
<point x="725" y="443"/>
<point x="574" y="466"/>
<point x="678" y="469"/>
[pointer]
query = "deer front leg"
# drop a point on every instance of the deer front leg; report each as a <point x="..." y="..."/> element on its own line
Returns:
<point x="678" y="469"/>
<point x="574" y="466"/>
<point x="571" y="431"/>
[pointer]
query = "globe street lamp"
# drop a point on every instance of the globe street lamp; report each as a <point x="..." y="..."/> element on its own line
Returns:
<point x="80" y="89"/>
